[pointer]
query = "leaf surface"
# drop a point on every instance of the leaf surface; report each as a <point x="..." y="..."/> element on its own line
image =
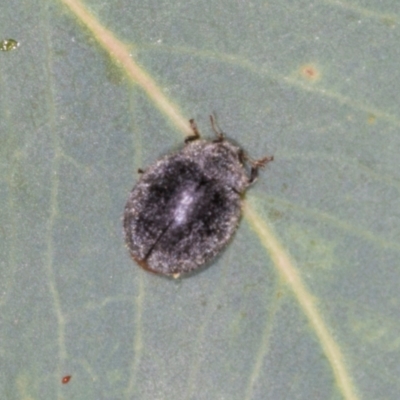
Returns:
<point x="304" y="302"/>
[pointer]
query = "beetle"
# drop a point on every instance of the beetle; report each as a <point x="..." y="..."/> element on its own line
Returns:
<point x="186" y="207"/>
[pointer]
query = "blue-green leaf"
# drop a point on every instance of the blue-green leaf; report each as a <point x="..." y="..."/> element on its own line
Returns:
<point x="304" y="302"/>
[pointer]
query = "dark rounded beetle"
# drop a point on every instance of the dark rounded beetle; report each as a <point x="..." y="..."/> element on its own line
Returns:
<point x="186" y="206"/>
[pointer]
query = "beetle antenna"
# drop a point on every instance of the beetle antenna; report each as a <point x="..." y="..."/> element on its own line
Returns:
<point x="216" y="129"/>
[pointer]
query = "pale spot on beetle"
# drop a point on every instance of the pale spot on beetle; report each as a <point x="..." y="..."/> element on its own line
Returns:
<point x="183" y="206"/>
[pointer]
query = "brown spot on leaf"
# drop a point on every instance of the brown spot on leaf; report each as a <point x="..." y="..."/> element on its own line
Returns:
<point x="66" y="379"/>
<point x="310" y="72"/>
<point x="371" y="118"/>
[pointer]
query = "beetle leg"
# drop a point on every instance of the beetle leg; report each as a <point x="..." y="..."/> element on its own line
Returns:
<point x="196" y="133"/>
<point x="256" y="165"/>
<point x="218" y="132"/>
<point x="241" y="156"/>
